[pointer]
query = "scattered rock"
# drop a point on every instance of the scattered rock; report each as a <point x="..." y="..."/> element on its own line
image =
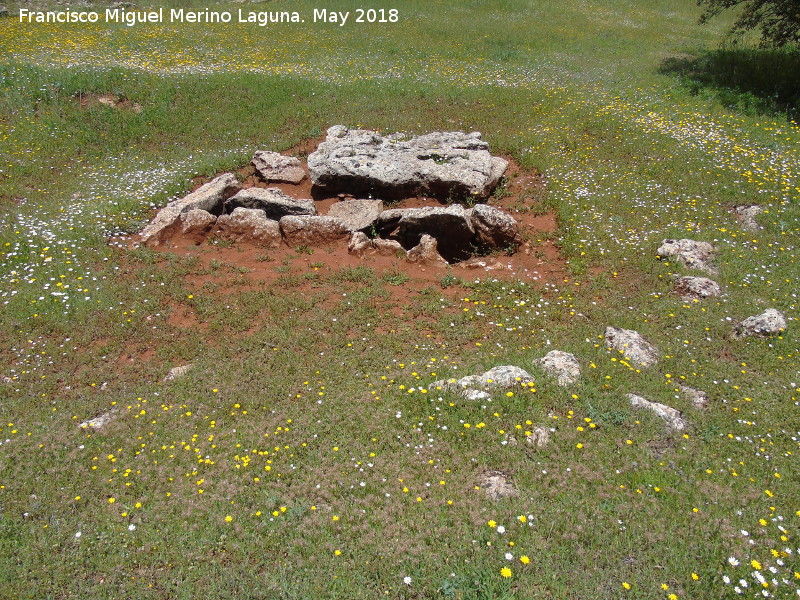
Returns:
<point x="426" y="251"/>
<point x="208" y="197"/>
<point x="176" y="372"/>
<point x="3" y="12"/>
<point x="312" y="230"/>
<point x="770" y="322"/>
<point x="273" y="202"/>
<point x="563" y="365"/>
<point x="196" y="224"/>
<point x="249" y="225"/>
<point x="539" y="437"/>
<point x="672" y="416"/>
<point x="277" y="168"/>
<point x="497" y="485"/>
<point x="99" y="422"/>
<point x="450" y="225"/>
<point x="357" y="215"/>
<point x="698" y="398"/>
<point x="693" y="254"/>
<point x="505" y="376"/>
<point x="632" y="345"/>
<point x="746" y="213"/>
<point x="697" y="288"/>
<point x="476" y="262"/>
<point x="494" y="229"/>
<point x="454" y="165"/>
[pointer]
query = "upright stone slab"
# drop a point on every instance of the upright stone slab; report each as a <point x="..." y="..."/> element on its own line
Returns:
<point x="208" y="197"/>
<point x="450" y="225"/>
<point x="312" y="230"/>
<point x="273" y="202"/>
<point x="357" y="214"/>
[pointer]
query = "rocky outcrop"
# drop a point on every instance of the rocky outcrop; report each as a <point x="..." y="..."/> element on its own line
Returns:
<point x="505" y="376"/>
<point x="697" y="288"/>
<point x="100" y="421"/>
<point x="357" y="215"/>
<point x="208" y="197"/>
<point x="746" y="214"/>
<point x="249" y="225"/>
<point x="273" y="202"/>
<point x="277" y="168"/>
<point x="698" y="398"/>
<point x="539" y="437"/>
<point x="770" y="322"/>
<point x="447" y="165"/>
<point x="672" y="416"/>
<point x="693" y="254"/>
<point x="176" y="372"/>
<point x="635" y="348"/>
<point x="450" y="225"/>
<point x="312" y="230"/>
<point x="562" y="365"/>
<point x="426" y="252"/>
<point x="494" y="229"/>
<point x="497" y="485"/>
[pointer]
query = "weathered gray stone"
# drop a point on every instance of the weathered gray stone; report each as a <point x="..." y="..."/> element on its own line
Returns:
<point x="312" y="230"/>
<point x="176" y="372"/>
<point x="273" y="202"/>
<point x="277" y="168"/>
<point x="357" y="215"/>
<point x="359" y="243"/>
<point x="197" y="222"/>
<point x="497" y="485"/>
<point x="698" y="398"/>
<point x="452" y="164"/>
<point x="539" y="437"/>
<point x="697" y="288"/>
<point x="100" y="421"/>
<point x="426" y="252"/>
<point x="693" y="254"/>
<point x="563" y="365"/>
<point x="450" y="225"/>
<point x="632" y="345"/>
<point x="208" y="197"/>
<point x="770" y="322"/>
<point x="672" y="416"/>
<point x="747" y="216"/>
<point x="504" y="376"/>
<point x="249" y="225"/>
<point x="388" y="247"/>
<point x="494" y="229"/>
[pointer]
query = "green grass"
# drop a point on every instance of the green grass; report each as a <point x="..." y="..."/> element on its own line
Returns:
<point x="644" y="128"/>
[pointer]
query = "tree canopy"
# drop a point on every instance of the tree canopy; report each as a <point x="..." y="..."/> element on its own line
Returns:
<point x="778" y="20"/>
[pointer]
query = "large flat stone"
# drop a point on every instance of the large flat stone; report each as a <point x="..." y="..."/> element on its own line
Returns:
<point x="451" y="164"/>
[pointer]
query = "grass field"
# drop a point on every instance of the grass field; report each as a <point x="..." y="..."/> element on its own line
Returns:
<point x="304" y="455"/>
